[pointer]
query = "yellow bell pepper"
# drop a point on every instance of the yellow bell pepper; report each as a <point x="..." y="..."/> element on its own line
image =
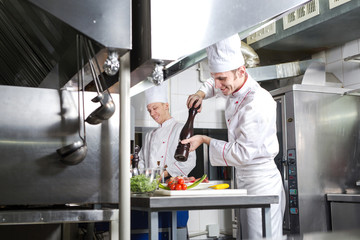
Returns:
<point x="220" y="186"/>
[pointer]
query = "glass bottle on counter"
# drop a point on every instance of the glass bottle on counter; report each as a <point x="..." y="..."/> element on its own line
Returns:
<point x="182" y="150"/>
<point x="135" y="161"/>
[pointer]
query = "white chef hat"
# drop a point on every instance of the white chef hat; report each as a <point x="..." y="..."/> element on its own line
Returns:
<point x="225" y="55"/>
<point x="157" y="93"/>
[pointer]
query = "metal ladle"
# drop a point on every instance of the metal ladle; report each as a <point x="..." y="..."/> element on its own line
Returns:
<point x="76" y="152"/>
<point x="107" y="108"/>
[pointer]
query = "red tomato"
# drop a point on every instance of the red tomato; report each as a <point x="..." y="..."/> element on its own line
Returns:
<point x="173" y="186"/>
<point x="178" y="187"/>
<point x="184" y="186"/>
<point x="181" y="181"/>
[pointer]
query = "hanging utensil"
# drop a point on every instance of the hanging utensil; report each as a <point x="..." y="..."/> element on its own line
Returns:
<point x="107" y="108"/>
<point x="76" y="152"/>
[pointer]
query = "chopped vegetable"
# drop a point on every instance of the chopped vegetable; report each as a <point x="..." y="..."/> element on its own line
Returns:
<point x="220" y="186"/>
<point x="197" y="182"/>
<point x="141" y="184"/>
<point x="163" y="187"/>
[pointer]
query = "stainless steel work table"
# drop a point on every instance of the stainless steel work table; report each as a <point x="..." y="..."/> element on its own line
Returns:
<point x="154" y="204"/>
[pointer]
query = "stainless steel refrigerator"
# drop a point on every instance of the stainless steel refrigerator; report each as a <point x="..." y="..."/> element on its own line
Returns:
<point x="318" y="132"/>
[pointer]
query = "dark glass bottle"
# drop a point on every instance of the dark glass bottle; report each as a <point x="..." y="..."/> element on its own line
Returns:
<point x="135" y="159"/>
<point x="182" y="150"/>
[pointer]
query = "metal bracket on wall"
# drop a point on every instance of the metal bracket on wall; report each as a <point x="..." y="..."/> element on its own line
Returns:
<point x="354" y="58"/>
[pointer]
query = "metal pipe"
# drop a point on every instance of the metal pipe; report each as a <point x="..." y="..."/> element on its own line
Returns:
<point x="124" y="161"/>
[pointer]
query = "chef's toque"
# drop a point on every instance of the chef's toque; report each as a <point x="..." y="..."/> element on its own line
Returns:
<point x="157" y="94"/>
<point x="225" y="55"/>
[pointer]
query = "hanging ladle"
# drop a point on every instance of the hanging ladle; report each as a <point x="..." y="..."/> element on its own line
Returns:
<point x="107" y="108"/>
<point x="76" y="152"/>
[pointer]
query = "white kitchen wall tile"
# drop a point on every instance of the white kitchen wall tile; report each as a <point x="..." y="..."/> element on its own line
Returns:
<point x="205" y="73"/>
<point x="193" y="223"/>
<point x="178" y="108"/>
<point x="336" y="68"/>
<point x="351" y="73"/>
<point x="334" y="54"/>
<point x="138" y="102"/>
<point x="173" y="83"/>
<point x="187" y="81"/>
<point x="208" y="112"/>
<point x="354" y="86"/>
<point x="208" y="217"/>
<point x="320" y="55"/>
<point x="350" y="49"/>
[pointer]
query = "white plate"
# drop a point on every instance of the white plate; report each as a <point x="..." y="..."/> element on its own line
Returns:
<point x="198" y="192"/>
<point x="200" y="186"/>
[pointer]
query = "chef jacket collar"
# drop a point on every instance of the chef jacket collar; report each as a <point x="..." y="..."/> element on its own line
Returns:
<point x="243" y="89"/>
<point x="167" y="122"/>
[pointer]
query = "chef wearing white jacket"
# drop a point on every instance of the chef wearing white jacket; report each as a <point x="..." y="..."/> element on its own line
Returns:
<point x="252" y="142"/>
<point x="160" y="143"/>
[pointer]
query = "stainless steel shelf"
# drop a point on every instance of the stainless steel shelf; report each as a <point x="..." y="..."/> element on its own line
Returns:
<point x="354" y="198"/>
<point x="13" y="217"/>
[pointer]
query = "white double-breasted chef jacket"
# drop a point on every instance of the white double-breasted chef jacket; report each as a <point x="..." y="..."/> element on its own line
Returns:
<point x="160" y="145"/>
<point x="251" y="147"/>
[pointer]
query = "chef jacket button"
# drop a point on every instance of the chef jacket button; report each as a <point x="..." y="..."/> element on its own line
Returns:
<point x="228" y="120"/>
<point x="163" y="142"/>
<point x="162" y="156"/>
<point x="237" y="102"/>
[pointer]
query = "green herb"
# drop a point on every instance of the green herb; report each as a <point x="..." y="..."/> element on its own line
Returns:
<point x="141" y="183"/>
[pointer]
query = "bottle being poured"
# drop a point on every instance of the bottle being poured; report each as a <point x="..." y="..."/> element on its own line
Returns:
<point x="182" y="150"/>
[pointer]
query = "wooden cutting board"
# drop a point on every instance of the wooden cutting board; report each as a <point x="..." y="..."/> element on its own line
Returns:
<point x="195" y="192"/>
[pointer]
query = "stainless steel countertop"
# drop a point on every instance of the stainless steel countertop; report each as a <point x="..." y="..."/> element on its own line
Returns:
<point x="338" y="197"/>
<point x="163" y="203"/>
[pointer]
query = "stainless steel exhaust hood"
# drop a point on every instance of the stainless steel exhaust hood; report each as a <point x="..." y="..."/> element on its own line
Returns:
<point x="177" y="32"/>
<point x="37" y="41"/>
<point x="172" y="34"/>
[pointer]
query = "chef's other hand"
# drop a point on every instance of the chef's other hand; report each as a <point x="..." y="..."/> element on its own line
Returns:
<point x="198" y="96"/>
<point x="196" y="141"/>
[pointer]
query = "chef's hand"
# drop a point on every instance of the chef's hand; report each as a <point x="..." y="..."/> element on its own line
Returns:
<point x="196" y="141"/>
<point x="198" y="96"/>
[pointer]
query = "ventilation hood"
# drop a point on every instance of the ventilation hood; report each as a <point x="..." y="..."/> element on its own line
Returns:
<point x="173" y="34"/>
<point x="315" y="27"/>
<point x="38" y="49"/>
<point x="38" y="37"/>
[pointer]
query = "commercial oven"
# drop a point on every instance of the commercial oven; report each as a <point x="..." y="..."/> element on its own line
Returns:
<point x="318" y="132"/>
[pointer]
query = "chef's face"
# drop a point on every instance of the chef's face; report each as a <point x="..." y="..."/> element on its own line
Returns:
<point x="159" y="111"/>
<point x="231" y="81"/>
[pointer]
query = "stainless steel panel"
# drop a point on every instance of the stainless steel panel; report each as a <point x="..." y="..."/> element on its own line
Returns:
<point x="180" y="28"/>
<point x="107" y="22"/>
<point x="33" y="124"/>
<point x="57" y="216"/>
<point x="335" y="197"/>
<point x="323" y="128"/>
<point x="345" y="216"/>
<point x="171" y="30"/>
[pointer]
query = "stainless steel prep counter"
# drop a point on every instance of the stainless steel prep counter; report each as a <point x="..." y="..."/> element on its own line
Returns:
<point x="154" y="204"/>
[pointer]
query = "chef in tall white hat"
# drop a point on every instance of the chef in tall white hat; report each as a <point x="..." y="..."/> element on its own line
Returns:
<point x="252" y="141"/>
<point x="160" y="144"/>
